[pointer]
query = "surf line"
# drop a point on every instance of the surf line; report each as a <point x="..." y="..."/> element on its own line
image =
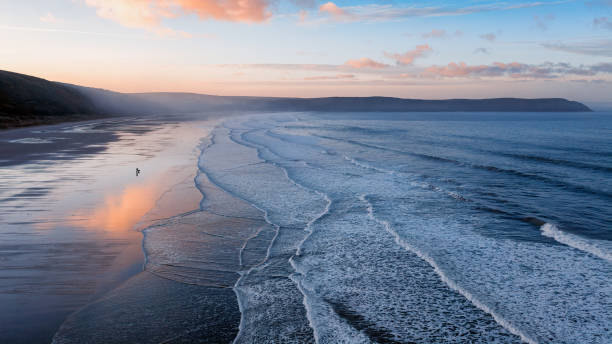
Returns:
<point x="450" y="283"/>
<point x="240" y="295"/>
<point x="294" y="277"/>
<point x="575" y="241"/>
<point x="243" y="274"/>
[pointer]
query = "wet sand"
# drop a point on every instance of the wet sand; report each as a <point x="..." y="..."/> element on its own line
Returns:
<point x="186" y="292"/>
<point x="71" y="211"/>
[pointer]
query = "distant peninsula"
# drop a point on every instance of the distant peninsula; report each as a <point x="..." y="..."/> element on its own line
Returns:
<point x="27" y="100"/>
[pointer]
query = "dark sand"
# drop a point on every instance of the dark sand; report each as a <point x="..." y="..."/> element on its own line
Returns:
<point x="71" y="209"/>
<point x="151" y="309"/>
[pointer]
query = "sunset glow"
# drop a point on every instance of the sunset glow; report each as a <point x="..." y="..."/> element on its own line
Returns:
<point x="431" y="49"/>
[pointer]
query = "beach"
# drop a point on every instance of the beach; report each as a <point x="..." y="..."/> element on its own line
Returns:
<point x="315" y="227"/>
<point x="73" y="209"/>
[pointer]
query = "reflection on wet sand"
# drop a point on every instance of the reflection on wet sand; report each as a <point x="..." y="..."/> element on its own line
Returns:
<point x="69" y="224"/>
<point x="121" y="212"/>
<point x="117" y="213"/>
<point x="193" y="261"/>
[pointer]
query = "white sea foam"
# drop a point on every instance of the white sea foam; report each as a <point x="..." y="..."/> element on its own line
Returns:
<point x="286" y="205"/>
<point x="356" y="274"/>
<point x="328" y="326"/>
<point x="294" y="277"/>
<point x="452" y="284"/>
<point x="599" y="248"/>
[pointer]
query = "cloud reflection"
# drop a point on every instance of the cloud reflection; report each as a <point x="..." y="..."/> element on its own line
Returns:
<point x="121" y="212"/>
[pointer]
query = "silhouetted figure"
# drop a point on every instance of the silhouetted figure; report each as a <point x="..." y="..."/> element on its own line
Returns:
<point x="137" y="171"/>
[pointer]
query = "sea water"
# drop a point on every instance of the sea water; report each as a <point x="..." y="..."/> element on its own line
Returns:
<point x="381" y="228"/>
<point x="423" y="227"/>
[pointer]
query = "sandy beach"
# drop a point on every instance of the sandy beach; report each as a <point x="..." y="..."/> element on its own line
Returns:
<point x="73" y="211"/>
<point x="307" y="227"/>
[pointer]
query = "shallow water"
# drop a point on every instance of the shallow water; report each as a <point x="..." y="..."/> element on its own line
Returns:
<point x="71" y="208"/>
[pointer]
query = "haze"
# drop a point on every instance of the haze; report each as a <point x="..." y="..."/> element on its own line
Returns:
<point x="308" y="48"/>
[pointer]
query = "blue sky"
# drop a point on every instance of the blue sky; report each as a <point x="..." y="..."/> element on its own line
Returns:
<point x="425" y="49"/>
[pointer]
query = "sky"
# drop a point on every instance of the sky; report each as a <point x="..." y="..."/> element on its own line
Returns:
<point x="307" y="48"/>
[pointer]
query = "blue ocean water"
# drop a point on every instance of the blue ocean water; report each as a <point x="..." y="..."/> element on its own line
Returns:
<point x="421" y="227"/>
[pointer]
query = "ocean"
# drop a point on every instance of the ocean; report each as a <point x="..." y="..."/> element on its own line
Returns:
<point x="360" y="228"/>
<point x="423" y="227"/>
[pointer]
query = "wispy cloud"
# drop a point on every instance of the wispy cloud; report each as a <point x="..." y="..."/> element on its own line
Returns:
<point x="600" y="47"/>
<point x="330" y="77"/>
<point x="435" y="34"/>
<point x="282" y="66"/>
<point x="542" y="22"/>
<point x="547" y="70"/>
<point x="387" y="12"/>
<point x="36" y="29"/>
<point x="408" y="57"/>
<point x="49" y="18"/>
<point x="489" y="36"/>
<point x="603" y="22"/>
<point x="365" y="62"/>
<point x="481" y="50"/>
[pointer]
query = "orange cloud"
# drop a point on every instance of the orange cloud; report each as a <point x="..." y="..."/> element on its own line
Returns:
<point x="408" y="57"/>
<point x="365" y="62"/>
<point x="148" y="14"/>
<point x="332" y="9"/>
<point x="131" y="13"/>
<point x="229" y="10"/>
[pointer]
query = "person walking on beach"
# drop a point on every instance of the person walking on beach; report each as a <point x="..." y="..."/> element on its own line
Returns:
<point x="137" y="171"/>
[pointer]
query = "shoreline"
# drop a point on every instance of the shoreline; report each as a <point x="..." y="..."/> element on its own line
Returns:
<point x="219" y="213"/>
<point x="82" y="238"/>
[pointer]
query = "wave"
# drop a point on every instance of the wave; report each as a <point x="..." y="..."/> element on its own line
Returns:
<point x="599" y="248"/>
<point x="554" y="161"/>
<point x="298" y="275"/>
<point x="551" y="181"/>
<point x="532" y="145"/>
<point x="443" y="276"/>
<point x="249" y="286"/>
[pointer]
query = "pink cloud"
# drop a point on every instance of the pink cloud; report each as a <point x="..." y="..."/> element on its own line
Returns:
<point x="331" y="77"/>
<point x="332" y="9"/>
<point x="49" y="18"/>
<point x="148" y="14"/>
<point x="229" y="10"/>
<point x="408" y="57"/>
<point x="303" y="15"/>
<point x="435" y="34"/>
<point x="365" y="62"/>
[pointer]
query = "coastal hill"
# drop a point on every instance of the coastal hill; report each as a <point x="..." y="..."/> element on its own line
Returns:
<point x="27" y="100"/>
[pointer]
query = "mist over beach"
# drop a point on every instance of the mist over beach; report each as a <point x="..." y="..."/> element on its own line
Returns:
<point x="305" y="172"/>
